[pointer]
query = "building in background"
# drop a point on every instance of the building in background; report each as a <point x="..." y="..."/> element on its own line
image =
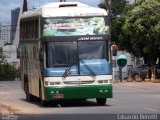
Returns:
<point x="5" y="33"/>
<point x="8" y="51"/>
<point x="0" y="30"/>
<point x="14" y="20"/>
<point x="10" y="54"/>
<point x="1" y="44"/>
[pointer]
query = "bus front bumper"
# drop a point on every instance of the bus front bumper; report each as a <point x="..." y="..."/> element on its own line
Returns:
<point x="78" y="92"/>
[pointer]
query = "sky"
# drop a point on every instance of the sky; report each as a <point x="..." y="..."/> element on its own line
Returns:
<point x="7" y="5"/>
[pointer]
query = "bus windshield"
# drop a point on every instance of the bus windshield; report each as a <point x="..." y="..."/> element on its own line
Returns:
<point x="75" y="26"/>
<point x="61" y="54"/>
<point x="67" y="54"/>
<point x="91" y="50"/>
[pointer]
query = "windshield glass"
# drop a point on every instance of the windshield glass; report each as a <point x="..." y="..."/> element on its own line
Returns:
<point x="75" y="26"/>
<point x="77" y="58"/>
<point x="92" y="50"/>
<point x="61" y="54"/>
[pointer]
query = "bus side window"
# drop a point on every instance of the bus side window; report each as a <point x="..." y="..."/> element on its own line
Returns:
<point x="41" y="54"/>
<point x="36" y="30"/>
<point x="26" y="53"/>
<point x="34" y="52"/>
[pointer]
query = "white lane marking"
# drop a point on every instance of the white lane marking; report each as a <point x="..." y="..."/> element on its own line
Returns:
<point x="2" y="85"/>
<point x="153" y="110"/>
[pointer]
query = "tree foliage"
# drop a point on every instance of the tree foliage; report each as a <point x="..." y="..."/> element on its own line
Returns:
<point x="116" y="7"/>
<point x="137" y="29"/>
<point x="142" y="27"/>
<point x="7" y="71"/>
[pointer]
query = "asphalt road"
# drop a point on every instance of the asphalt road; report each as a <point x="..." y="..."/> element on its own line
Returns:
<point x="129" y="98"/>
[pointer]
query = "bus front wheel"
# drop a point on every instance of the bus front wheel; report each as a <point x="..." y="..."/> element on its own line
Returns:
<point x="42" y="102"/>
<point x="101" y="101"/>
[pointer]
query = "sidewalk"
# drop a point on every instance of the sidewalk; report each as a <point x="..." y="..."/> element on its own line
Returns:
<point x="154" y="87"/>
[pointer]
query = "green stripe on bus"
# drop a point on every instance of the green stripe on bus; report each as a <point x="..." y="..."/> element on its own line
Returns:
<point x="79" y="92"/>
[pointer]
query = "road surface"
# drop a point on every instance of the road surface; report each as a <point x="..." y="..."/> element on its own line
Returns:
<point x="129" y="98"/>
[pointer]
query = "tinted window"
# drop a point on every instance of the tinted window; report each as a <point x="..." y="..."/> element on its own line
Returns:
<point x="92" y="50"/>
<point x="61" y="54"/>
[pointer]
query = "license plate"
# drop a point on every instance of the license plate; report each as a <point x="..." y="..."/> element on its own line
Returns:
<point x="58" y="96"/>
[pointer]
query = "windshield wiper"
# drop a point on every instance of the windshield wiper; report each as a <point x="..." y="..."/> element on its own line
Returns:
<point x="88" y="68"/>
<point x="67" y="71"/>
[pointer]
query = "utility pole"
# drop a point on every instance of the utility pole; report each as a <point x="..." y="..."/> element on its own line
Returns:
<point x="109" y="7"/>
<point x="114" y="49"/>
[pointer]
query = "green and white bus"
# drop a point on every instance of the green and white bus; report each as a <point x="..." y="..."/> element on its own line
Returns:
<point x="65" y="53"/>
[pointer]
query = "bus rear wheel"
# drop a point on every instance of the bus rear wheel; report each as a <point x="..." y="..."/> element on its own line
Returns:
<point x="101" y="101"/>
<point x="29" y="97"/>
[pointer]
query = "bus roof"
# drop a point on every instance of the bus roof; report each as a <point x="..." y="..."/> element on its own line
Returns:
<point x="60" y="9"/>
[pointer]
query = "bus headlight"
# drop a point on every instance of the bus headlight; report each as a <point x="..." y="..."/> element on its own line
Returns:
<point x="47" y="83"/>
<point x="51" y="82"/>
<point x="104" y="81"/>
<point x="55" y="83"/>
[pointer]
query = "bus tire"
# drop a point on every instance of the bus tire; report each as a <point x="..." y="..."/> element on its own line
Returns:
<point x="42" y="102"/>
<point x="29" y="97"/>
<point x="101" y="101"/>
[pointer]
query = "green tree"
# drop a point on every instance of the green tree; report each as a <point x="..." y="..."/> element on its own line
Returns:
<point x="141" y="30"/>
<point x="136" y="28"/>
<point x="117" y="34"/>
<point x="7" y="71"/>
<point x="116" y="7"/>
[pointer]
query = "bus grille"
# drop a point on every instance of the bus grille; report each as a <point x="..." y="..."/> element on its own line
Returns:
<point x="78" y="82"/>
